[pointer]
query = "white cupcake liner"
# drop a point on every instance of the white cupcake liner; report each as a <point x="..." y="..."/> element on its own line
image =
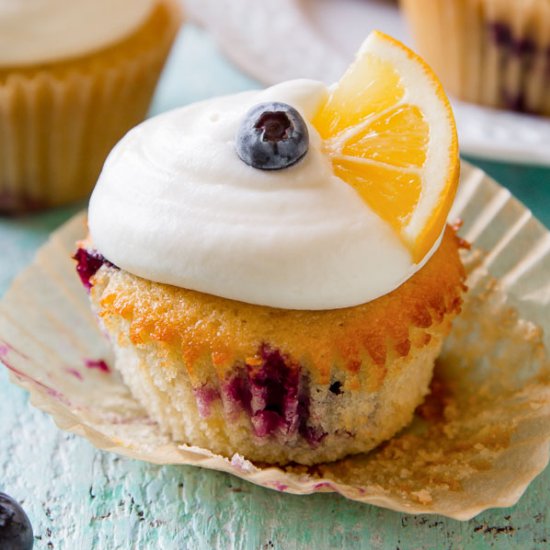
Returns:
<point x="59" y="121"/>
<point x="486" y="437"/>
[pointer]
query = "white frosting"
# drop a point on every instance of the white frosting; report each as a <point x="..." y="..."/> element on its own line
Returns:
<point x="176" y="205"/>
<point x="38" y="31"/>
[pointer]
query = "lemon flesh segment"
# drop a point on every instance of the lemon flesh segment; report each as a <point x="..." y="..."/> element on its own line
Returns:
<point x="389" y="131"/>
<point x="368" y="88"/>
<point x="391" y="193"/>
<point x="400" y="138"/>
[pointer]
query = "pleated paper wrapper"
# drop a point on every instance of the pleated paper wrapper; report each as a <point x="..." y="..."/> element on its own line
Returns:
<point x="59" y="121"/>
<point x="481" y="436"/>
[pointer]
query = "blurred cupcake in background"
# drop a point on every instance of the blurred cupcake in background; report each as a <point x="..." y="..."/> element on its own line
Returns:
<point x="493" y="52"/>
<point x="74" y="77"/>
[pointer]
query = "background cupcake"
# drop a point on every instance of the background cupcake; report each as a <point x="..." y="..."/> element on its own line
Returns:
<point x="74" y="77"/>
<point x="493" y="52"/>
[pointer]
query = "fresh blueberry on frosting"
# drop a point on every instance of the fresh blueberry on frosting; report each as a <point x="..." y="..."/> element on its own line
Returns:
<point x="272" y="136"/>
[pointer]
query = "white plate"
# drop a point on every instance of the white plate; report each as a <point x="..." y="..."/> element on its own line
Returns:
<point x="277" y="40"/>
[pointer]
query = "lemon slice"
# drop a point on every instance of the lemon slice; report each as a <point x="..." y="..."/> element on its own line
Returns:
<point x="389" y="131"/>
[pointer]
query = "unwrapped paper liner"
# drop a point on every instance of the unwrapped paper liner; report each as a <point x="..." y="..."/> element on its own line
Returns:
<point x="479" y="439"/>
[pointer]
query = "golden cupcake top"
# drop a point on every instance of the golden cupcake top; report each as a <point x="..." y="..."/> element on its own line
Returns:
<point x="199" y="325"/>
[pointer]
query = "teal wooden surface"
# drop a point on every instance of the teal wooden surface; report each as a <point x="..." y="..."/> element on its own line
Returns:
<point x="79" y="497"/>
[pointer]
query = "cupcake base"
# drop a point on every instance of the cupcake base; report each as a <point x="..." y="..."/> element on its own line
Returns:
<point x="277" y="385"/>
<point x="271" y="412"/>
<point x="58" y="121"/>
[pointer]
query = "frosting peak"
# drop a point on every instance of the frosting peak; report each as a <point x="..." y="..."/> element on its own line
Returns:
<point x="175" y="204"/>
<point x="39" y="31"/>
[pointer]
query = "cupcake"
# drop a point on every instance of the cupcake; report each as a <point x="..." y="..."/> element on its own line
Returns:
<point x="492" y="52"/>
<point x="274" y="268"/>
<point x="74" y="78"/>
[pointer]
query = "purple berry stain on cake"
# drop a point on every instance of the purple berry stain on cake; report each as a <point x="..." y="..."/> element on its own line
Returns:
<point x="525" y="47"/>
<point x="275" y="394"/>
<point x="503" y="37"/>
<point x="513" y="48"/>
<point x="238" y="391"/>
<point x="205" y="396"/>
<point x="89" y="262"/>
<point x="515" y="102"/>
<point x="98" y="364"/>
<point x="501" y="34"/>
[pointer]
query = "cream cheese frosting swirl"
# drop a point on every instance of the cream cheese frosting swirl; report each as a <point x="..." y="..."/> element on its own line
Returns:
<point x="39" y="31"/>
<point x="175" y="204"/>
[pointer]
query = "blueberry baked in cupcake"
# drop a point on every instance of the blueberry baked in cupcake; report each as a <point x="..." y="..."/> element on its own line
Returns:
<point x="274" y="268"/>
<point x="75" y="76"/>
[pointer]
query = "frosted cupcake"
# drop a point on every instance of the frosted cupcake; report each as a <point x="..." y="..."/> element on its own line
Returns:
<point x="75" y="76"/>
<point x="274" y="271"/>
<point x="493" y="52"/>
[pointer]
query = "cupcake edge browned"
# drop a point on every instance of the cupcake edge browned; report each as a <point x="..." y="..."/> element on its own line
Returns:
<point x="277" y="385"/>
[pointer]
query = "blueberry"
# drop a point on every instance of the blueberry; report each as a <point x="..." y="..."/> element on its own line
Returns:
<point x="88" y="263"/>
<point x="272" y="136"/>
<point x="15" y="527"/>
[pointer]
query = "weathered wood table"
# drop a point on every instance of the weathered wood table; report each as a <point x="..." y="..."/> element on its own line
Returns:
<point x="80" y="498"/>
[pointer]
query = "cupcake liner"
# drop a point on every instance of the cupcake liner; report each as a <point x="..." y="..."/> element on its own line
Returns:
<point x="59" y="121"/>
<point x="478" y="440"/>
<point x="486" y="51"/>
